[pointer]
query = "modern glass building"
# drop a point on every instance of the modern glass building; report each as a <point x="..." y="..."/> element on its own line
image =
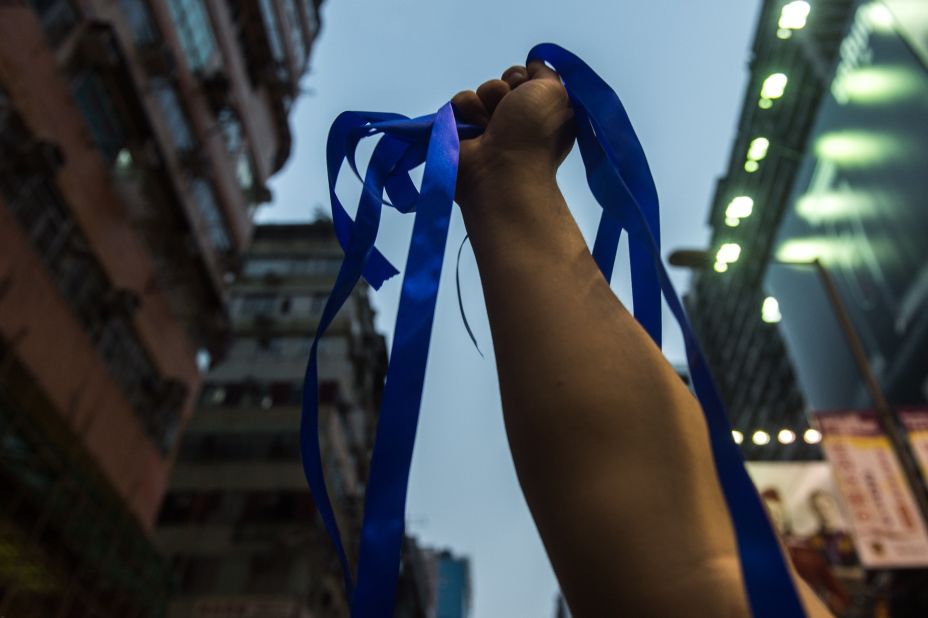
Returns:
<point x="826" y="174"/>
<point x="453" y="596"/>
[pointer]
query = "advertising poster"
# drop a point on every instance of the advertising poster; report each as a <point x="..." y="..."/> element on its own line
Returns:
<point x="887" y="527"/>
<point x="915" y="422"/>
<point x="803" y="502"/>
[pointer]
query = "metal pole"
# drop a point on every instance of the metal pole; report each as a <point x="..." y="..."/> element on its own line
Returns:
<point x="896" y="436"/>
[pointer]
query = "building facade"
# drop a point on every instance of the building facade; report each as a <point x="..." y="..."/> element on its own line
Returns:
<point x="136" y="140"/>
<point x="453" y="594"/>
<point x="433" y="583"/>
<point x="789" y="77"/>
<point x="824" y="190"/>
<point x="239" y="522"/>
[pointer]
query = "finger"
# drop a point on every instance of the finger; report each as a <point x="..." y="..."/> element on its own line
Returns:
<point x="539" y="70"/>
<point x="491" y="93"/>
<point x="468" y="108"/>
<point x="515" y="76"/>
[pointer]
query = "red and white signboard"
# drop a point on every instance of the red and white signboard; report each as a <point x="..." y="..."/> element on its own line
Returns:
<point x="915" y="421"/>
<point x="888" y="528"/>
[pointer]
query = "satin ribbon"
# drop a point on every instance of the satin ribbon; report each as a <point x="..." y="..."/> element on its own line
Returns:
<point x="620" y="179"/>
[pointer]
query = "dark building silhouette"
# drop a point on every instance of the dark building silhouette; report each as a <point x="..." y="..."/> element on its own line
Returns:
<point x="239" y="522"/>
<point x="825" y="168"/>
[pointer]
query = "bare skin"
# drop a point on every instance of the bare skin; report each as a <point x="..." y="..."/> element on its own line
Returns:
<point x="611" y="449"/>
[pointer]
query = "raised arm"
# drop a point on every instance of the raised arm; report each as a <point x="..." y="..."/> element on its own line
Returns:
<point x="610" y="446"/>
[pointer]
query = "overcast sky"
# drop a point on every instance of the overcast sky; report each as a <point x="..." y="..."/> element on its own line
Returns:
<point x="680" y="68"/>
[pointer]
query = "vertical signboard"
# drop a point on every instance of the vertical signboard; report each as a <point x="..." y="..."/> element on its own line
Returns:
<point x="888" y="529"/>
<point x="915" y="421"/>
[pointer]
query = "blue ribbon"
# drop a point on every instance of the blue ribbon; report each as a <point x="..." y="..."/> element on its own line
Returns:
<point x="620" y="179"/>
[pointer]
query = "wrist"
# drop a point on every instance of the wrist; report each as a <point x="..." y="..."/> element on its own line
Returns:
<point x="514" y="206"/>
<point x="497" y="184"/>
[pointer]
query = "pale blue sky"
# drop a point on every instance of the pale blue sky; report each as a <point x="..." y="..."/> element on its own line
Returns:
<point x="680" y="68"/>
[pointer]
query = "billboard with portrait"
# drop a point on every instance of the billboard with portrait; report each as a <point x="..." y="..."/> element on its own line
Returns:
<point x="805" y="506"/>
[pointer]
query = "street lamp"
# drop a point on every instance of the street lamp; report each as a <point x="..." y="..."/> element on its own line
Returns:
<point x="697" y="259"/>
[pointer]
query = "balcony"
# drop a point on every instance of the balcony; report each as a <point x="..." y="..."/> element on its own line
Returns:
<point x="236" y="476"/>
<point x="226" y="539"/>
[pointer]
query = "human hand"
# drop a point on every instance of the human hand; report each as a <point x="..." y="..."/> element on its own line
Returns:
<point x="528" y="130"/>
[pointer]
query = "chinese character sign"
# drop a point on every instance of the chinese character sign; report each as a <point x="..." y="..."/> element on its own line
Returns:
<point x="887" y="526"/>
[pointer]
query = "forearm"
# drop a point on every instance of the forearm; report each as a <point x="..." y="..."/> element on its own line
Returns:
<point x="609" y="445"/>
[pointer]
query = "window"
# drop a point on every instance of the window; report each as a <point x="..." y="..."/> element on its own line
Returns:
<point x="285" y="447"/>
<point x="40" y="211"/>
<point x="317" y="303"/>
<point x="256" y="304"/>
<point x="295" y="30"/>
<point x="262" y="267"/>
<point x="282" y="393"/>
<point x="276" y="506"/>
<point x="288" y="267"/>
<point x="205" y="201"/>
<point x="234" y="137"/>
<point x="124" y="356"/>
<point x="244" y="171"/>
<point x="189" y="507"/>
<point x="231" y="130"/>
<point x="269" y="573"/>
<point x="240" y="447"/>
<point x="328" y="392"/>
<point x="174" y="116"/>
<point x="283" y="347"/>
<point x="194" y="31"/>
<point x="93" y="101"/>
<point x="140" y="21"/>
<point x="333" y="347"/>
<point x="200" y="574"/>
<point x="273" y="30"/>
<point x="213" y="395"/>
<point x="80" y="278"/>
